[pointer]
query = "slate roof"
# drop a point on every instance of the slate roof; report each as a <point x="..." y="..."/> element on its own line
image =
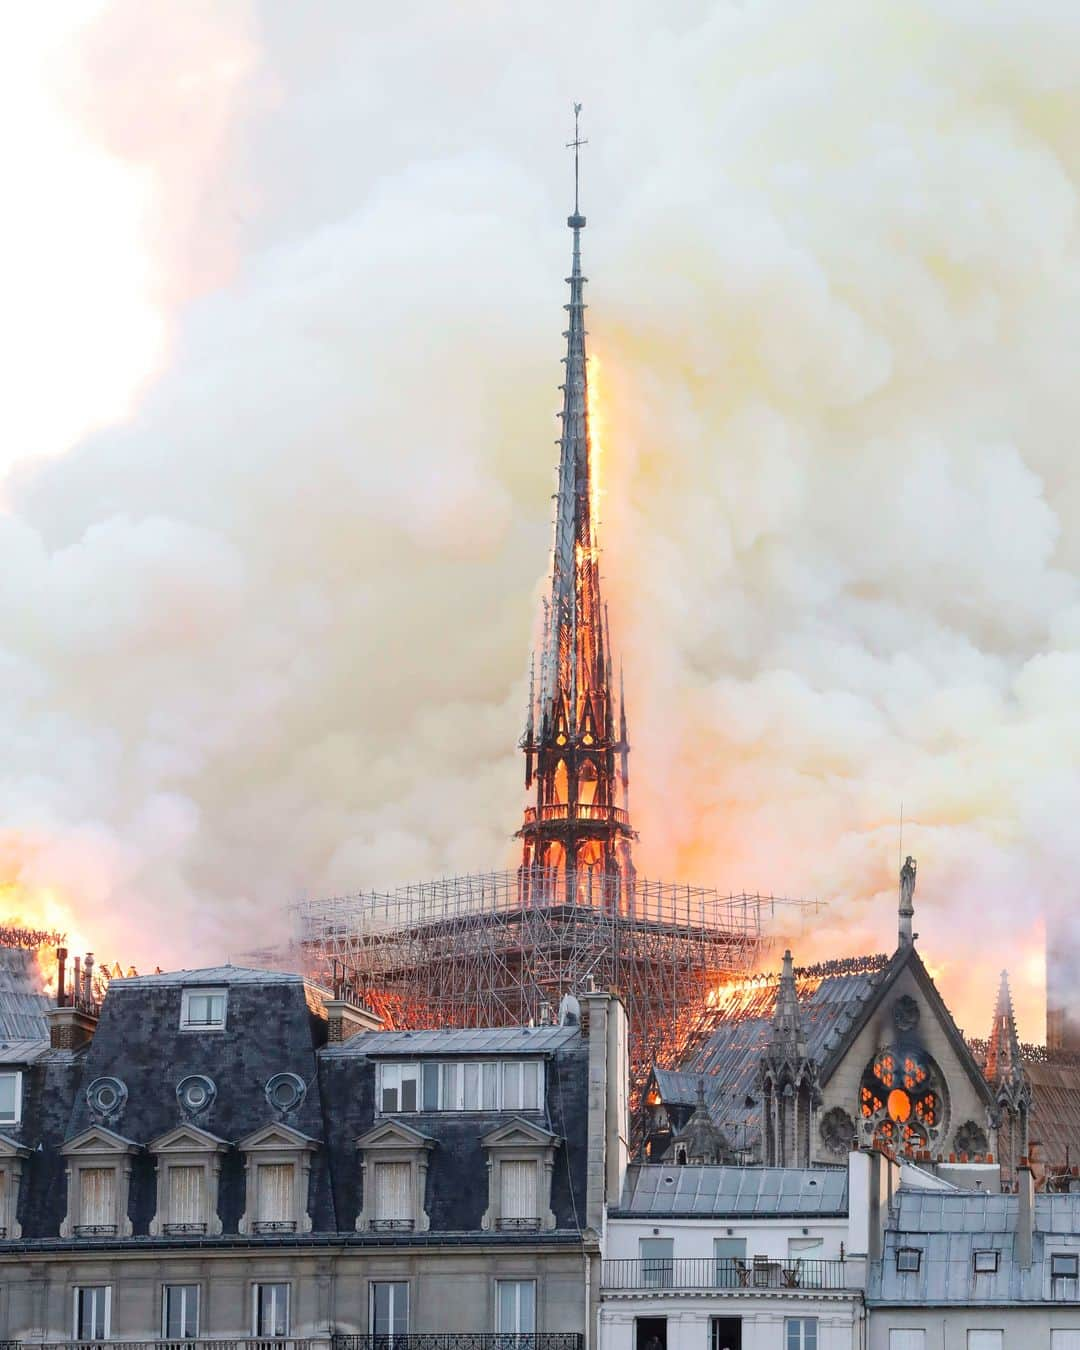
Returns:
<point x="22" y="999"/>
<point x="949" y="1227"/>
<point x="734" y="1192"/>
<point x="460" y="1041"/>
<point x="275" y="1024"/>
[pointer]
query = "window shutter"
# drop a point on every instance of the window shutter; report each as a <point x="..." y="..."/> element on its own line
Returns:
<point x="97" y="1197"/>
<point x="393" y="1190"/>
<point x="518" y="1200"/>
<point x="186" y="1195"/>
<point x="275" y="1193"/>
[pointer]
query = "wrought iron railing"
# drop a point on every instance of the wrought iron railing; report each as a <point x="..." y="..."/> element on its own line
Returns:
<point x="392" y="1225"/>
<point x="464" y="1340"/>
<point x="199" y="1343"/>
<point x="274" y="1226"/>
<point x="180" y="1229"/>
<point x="724" y="1274"/>
<point x="506" y="1225"/>
<point x="95" y="1230"/>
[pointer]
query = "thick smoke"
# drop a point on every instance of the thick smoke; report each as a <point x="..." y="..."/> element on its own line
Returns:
<point x="268" y="634"/>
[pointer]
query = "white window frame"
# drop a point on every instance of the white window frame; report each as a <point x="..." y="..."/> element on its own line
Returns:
<point x="907" y="1338"/>
<point x="978" y="1334"/>
<point x="1065" y="1338"/>
<point x="506" y="1086"/>
<point x="184" y="1314"/>
<point x="271" y="1284"/>
<point x="1070" y="1257"/>
<point x="77" y="1292"/>
<point x="517" y="1329"/>
<point x="16" y="1118"/>
<point x="803" y="1323"/>
<point x="389" y="1336"/>
<point x="657" y="1272"/>
<point x="203" y="991"/>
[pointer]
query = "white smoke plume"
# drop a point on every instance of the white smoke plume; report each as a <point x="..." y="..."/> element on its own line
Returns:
<point x="266" y="632"/>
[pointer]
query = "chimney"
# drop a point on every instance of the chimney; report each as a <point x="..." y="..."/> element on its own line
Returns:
<point x="88" y="977"/>
<point x="61" y="964"/>
<point x="72" y="1027"/>
<point x="344" y="1018"/>
<point x="1025" y="1216"/>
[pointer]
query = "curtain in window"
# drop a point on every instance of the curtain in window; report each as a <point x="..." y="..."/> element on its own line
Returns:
<point x="186" y="1195"/>
<point x="97" y="1196"/>
<point x="518" y="1199"/>
<point x="275" y="1193"/>
<point x="393" y="1190"/>
<point x="3" y="1201"/>
<point x="516" y="1312"/>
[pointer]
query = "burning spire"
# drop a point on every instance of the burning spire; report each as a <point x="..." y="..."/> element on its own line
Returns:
<point x="575" y="740"/>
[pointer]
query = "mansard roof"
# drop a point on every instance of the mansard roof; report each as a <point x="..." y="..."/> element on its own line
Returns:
<point x="733" y="1192"/>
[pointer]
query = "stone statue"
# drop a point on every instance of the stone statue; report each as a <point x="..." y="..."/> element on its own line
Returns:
<point x="907" y="884"/>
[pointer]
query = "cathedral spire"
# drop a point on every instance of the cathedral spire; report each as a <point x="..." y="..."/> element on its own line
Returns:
<point x="575" y="746"/>
<point x="1006" y="1075"/>
<point x="788" y="1080"/>
<point x="1003" y="1049"/>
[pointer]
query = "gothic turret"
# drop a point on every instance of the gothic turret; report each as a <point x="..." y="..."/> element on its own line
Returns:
<point x="1005" y="1074"/>
<point x="577" y="828"/>
<point x="788" y="1080"/>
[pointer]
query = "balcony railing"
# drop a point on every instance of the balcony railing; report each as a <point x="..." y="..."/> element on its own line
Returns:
<point x="724" y="1274"/>
<point x="392" y="1225"/>
<point x="464" y="1340"/>
<point x="183" y="1229"/>
<point x="84" y="1230"/>
<point x="591" y="811"/>
<point x="274" y="1226"/>
<point x="199" y="1343"/>
<point x="518" y="1225"/>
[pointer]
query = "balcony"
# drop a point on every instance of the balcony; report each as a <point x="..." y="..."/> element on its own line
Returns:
<point x="725" y="1275"/>
<point x="200" y="1343"/>
<point x="561" y="811"/>
<point x="518" y="1225"/>
<point x="93" y="1230"/>
<point x="261" y="1226"/>
<point x="465" y="1340"/>
<point x="392" y="1225"/>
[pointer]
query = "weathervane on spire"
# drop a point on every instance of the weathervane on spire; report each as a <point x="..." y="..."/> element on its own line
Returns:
<point x="577" y="220"/>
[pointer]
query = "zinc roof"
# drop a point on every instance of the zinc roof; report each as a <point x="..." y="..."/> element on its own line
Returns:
<point x="732" y="1192"/>
<point x="22" y="1002"/>
<point x="210" y="975"/>
<point x="457" y="1041"/>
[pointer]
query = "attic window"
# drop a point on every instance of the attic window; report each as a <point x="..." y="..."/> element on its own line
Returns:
<point x="1063" y="1266"/>
<point x="10" y="1098"/>
<point x="985" y="1262"/>
<point x="285" y="1091"/>
<point x="908" y="1260"/>
<point x="203" y="1009"/>
<point x="196" y="1093"/>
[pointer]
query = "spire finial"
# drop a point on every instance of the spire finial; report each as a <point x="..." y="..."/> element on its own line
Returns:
<point x="577" y="220"/>
<point x="907" y="901"/>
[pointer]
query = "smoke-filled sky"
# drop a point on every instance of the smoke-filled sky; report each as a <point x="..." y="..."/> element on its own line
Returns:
<point x="283" y="290"/>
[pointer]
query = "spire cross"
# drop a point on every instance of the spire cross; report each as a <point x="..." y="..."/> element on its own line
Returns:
<point x="576" y="145"/>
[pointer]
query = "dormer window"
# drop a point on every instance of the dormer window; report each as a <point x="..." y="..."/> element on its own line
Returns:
<point x="468" y="1085"/>
<point x="393" y="1166"/>
<point x="521" y="1159"/>
<point x="908" y="1260"/>
<point x="12" y="1157"/>
<point x="188" y="1169"/>
<point x="203" y="1009"/>
<point x="98" y="1177"/>
<point x="10" y="1098"/>
<point x="1063" y="1266"/>
<point x="277" y="1164"/>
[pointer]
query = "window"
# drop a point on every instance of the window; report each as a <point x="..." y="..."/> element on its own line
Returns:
<point x="187" y="1200"/>
<point x="97" y="1202"/>
<point x="725" y="1333"/>
<point x="1063" y="1266"/>
<point x="468" y="1085"/>
<point x="1065" y="1340"/>
<point x="93" y="1306"/>
<point x="657" y="1262"/>
<point x="271" y="1309"/>
<point x="730" y="1254"/>
<point x="203" y="1009"/>
<point x="390" y="1308"/>
<point x="180" y="1312"/>
<point x="274" y="1196"/>
<point x="518" y="1199"/>
<point x="914" y="1339"/>
<point x="908" y="1260"/>
<point x="10" y="1098"/>
<point x="985" y="1262"/>
<point x="393" y="1197"/>
<point x="515" y="1306"/>
<point x="985" y="1340"/>
<point x="800" y="1333"/>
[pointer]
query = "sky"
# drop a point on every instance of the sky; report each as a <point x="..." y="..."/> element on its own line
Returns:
<point x="283" y="291"/>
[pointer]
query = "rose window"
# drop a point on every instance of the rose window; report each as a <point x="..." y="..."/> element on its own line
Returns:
<point x="901" y="1101"/>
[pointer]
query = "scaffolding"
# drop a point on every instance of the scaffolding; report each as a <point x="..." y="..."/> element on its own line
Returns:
<point x="503" y="948"/>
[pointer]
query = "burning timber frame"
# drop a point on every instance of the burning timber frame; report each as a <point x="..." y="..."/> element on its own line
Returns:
<point x="502" y="948"/>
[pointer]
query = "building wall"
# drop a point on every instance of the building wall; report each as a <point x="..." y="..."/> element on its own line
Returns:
<point x="450" y="1288"/>
<point x="947" y="1328"/>
<point x="693" y="1238"/>
<point x="840" y="1319"/>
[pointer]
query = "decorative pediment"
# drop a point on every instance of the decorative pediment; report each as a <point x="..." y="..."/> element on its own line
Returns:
<point x="97" y="1140"/>
<point x="11" y="1148"/>
<point x="394" y="1134"/>
<point x="519" y="1133"/>
<point x="188" y="1139"/>
<point x="278" y="1138"/>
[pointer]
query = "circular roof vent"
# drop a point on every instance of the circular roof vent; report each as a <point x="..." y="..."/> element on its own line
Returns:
<point x="106" y="1098"/>
<point x="285" y="1091"/>
<point x="196" y="1093"/>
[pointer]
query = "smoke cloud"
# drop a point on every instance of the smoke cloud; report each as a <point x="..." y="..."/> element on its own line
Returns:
<point x="266" y="634"/>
